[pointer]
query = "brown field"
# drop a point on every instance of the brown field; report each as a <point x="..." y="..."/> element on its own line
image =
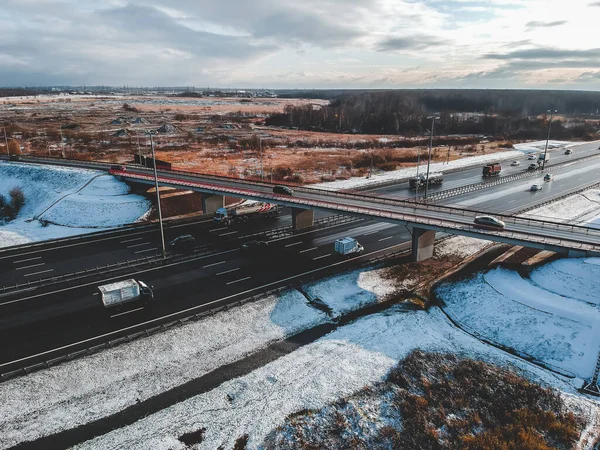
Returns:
<point x="211" y="135"/>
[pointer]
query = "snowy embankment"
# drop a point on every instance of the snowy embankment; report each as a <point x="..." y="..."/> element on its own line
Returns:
<point x="73" y="201"/>
<point x="470" y="161"/>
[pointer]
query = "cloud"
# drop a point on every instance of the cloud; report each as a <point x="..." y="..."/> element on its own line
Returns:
<point x="398" y="44"/>
<point x="594" y="4"/>
<point x="544" y="53"/>
<point x="538" y="24"/>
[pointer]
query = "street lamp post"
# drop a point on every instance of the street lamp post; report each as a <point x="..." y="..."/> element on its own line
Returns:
<point x="429" y="157"/>
<point x="160" y="221"/>
<point x="262" y="175"/>
<point x="548" y="136"/>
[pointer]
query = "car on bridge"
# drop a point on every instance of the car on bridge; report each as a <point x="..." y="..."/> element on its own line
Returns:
<point x="183" y="244"/>
<point x="568" y="151"/>
<point x="536" y="187"/>
<point x="515" y="163"/>
<point x="118" y="167"/>
<point x="14" y="157"/>
<point x="280" y="189"/>
<point x="489" y="222"/>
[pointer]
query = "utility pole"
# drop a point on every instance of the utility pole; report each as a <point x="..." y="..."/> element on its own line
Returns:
<point x="417" y="183"/>
<point x="371" y="168"/>
<point x="429" y="157"/>
<point x="62" y="145"/>
<point x="160" y="221"/>
<point x="262" y="175"/>
<point x="548" y="136"/>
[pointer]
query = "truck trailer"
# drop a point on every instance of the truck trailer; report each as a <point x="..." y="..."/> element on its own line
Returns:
<point x="421" y="179"/>
<point x="348" y="246"/>
<point x="125" y="293"/>
<point x="492" y="170"/>
<point x="244" y="211"/>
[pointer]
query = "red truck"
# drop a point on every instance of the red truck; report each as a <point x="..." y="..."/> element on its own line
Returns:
<point x="492" y="169"/>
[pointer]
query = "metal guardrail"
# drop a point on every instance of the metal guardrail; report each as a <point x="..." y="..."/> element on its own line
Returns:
<point x="150" y="261"/>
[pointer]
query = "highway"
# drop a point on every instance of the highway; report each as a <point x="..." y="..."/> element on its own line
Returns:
<point x="39" y="323"/>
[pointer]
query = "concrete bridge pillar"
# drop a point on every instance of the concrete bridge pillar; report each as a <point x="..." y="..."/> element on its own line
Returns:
<point x="422" y="244"/>
<point x="210" y="203"/>
<point x="302" y="218"/>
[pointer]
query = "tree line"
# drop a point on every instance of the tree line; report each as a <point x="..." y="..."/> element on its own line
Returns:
<point x="511" y="114"/>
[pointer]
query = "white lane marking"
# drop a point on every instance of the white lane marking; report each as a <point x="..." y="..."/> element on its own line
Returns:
<point x="126" y="312"/>
<point x="308" y="250"/>
<point x="561" y="185"/>
<point x="28" y="267"/>
<point x="229" y="271"/>
<point x="237" y="281"/>
<point x="371" y="232"/>
<point x="214" y="264"/>
<point x="323" y="256"/>
<point x="217" y="229"/>
<point x="511" y="201"/>
<point x="385" y="238"/>
<point x="28" y="259"/>
<point x="152" y="321"/>
<point x="37" y="273"/>
<point x="293" y="243"/>
<point x="131" y="240"/>
<point x="231" y="232"/>
<point x="138" y="245"/>
<point x="147" y="250"/>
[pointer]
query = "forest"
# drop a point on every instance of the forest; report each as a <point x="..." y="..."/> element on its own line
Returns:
<point x="509" y="114"/>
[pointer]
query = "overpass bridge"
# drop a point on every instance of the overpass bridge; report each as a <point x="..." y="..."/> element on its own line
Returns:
<point x="423" y="219"/>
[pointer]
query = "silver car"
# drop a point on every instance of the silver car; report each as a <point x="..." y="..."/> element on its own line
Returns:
<point x="489" y="222"/>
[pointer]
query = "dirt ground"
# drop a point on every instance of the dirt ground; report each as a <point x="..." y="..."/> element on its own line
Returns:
<point x="224" y="136"/>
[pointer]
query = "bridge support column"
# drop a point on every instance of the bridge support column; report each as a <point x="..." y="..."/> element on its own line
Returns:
<point x="210" y="203"/>
<point x="422" y="244"/>
<point x="302" y="218"/>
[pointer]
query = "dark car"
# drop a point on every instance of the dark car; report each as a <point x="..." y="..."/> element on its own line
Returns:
<point x="255" y="245"/>
<point x="532" y="167"/>
<point x="119" y="168"/>
<point x="183" y="244"/>
<point x="280" y="189"/>
<point x="568" y="151"/>
<point x="15" y="157"/>
<point x="489" y="222"/>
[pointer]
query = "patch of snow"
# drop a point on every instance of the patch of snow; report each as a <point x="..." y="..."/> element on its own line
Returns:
<point x="505" y="308"/>
<point x="93" y="387"/>
<point x="311" y="377"/>
<point x="461" y="246"/>
<point x="351" y="291"/>
<point x="534" y="147"/>
<point x="77" y="201"/>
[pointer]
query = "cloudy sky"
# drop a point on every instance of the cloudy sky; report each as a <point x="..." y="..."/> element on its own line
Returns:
<point x="302" y="44"/>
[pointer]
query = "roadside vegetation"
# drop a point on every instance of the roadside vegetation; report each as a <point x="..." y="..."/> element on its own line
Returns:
<point x="9" y="208"/>
<point x="438" y="401"/>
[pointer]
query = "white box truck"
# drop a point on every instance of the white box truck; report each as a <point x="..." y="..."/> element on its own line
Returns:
<point x="120" y="294"/>
<point x="348" y="246"/>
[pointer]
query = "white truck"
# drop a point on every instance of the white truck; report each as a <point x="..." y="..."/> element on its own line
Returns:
<point x="541" y="159"/>
<point x="122" y="293"/>
<point x="421" y="179"/>
<point x="244" y="211"/>
<point x="348" y="246"/>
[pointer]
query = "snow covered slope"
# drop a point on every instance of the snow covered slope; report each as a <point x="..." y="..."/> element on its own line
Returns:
<point x="73" y="200"/>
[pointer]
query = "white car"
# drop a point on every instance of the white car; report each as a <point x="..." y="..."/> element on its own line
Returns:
<point x="536" y="187"/>
<point x="515" y="163"/>
<point x="532" y="157"/>
<point x="488" y="222"/>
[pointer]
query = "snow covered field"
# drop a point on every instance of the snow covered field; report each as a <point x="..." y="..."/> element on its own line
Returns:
<point x="560" y="331"/>
<point x="520" y="149"/>
<point x="75" y="201"/>
<point x="313" y="376"/>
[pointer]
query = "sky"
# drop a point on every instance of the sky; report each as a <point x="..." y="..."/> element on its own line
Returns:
<point x="305" y="44"/>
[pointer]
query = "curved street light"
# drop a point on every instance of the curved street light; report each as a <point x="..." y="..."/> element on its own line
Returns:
<point x="552" y="112"/>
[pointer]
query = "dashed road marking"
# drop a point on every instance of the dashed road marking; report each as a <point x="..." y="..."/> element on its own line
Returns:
<point x="323" y="256"/>
<point x="37" y="273"/>
<point x="308" y="250"/>
<point x="231" y="232"/>
<point x="146" y="250"/>
<point x="138" y="245"/>
<point x="229" y="271"/>
<point x="385" y="238"/>
<point x="131" y="240"/>
<point x="26" y="260"/>
<point x="29" y="267"/>
<point x="126" y="312"/>
<point x="293" y="243"/>
<point x="237" y="281"/>
<point x="214" y="264"/>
